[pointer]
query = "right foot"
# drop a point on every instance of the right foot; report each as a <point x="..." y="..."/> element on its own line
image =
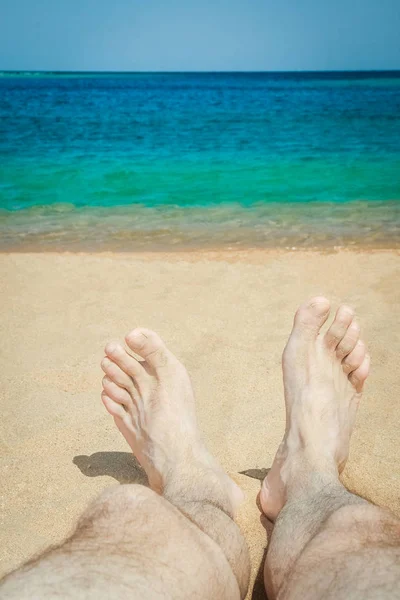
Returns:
<point x="323" y="380"/>
<point x="153" y="406"/>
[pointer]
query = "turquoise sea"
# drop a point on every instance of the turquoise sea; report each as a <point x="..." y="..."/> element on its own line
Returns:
<point x="156" y="161"/>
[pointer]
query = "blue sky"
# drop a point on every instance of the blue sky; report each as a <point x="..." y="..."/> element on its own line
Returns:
<point x="199" y="34"/>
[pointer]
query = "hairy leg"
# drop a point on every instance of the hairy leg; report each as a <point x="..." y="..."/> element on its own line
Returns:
<point x="327" y="543"/>
<point x="332" y="544"/>
<point x="177" y="540"/>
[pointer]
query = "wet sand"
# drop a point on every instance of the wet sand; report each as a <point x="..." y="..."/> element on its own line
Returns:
<point x="227" y="316"/>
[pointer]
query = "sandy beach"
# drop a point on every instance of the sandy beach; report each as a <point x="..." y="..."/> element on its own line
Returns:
<point x="227" y="316"/>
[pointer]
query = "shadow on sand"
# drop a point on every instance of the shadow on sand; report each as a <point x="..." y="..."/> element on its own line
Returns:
<point x="259" y="592"/>
<point x="122" y="466"/>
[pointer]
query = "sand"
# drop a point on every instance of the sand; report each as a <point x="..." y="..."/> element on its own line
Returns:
<point x="227" y="316"/>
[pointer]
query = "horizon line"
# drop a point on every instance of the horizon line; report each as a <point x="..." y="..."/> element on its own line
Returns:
<point x="142" y="71"/>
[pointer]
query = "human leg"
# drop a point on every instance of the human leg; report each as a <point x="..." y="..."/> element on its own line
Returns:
<point x="327" y="542"/>
<point x="177" y="540"/>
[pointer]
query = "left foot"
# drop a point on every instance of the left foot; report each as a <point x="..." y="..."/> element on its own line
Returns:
<point x="153" y="406"/>
<point x="323" y="378"/>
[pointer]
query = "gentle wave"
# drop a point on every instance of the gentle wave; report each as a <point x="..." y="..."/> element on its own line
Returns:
<point x="135" y="228"/>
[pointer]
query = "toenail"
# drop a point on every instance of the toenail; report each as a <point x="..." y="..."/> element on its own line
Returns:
<point x="137" y="339"/>
<point x="320" y="305"/>
<point x="355" y="327"/>
<point x="344" y="318"/>
<point x="319" y="301"/>
<point x="111" y="348"/>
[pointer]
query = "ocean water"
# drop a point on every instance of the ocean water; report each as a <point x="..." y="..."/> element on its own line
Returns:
<point x="160" y="161"/>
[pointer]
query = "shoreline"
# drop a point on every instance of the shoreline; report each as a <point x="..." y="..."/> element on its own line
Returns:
<point x="227" y="226"/>
<point x="225" y="249"/>
<point x="212" y="253"/>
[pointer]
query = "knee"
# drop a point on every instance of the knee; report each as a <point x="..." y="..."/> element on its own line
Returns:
<point x="120" y="500"/>
<point x="130" y="491"/>
<point x="126" y="494"/>
<point x="361" y="524"/>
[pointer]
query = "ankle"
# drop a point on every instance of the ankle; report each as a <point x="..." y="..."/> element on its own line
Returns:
<point x="303" y="474"/>
<point x="202" y="484"/>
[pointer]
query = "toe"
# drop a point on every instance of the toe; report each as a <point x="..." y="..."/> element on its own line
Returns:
<point x="311" y="316"/>
<point x="127" y="363"/>
<point x="117" y="375"/>
<point x="355" y="358"/>
<point x="348" y="343"/>
<point x="148" y="345"/>
<point x="116" y="393"/>
<point x="337" y="331"/>
<point x="358" y="377"/>
<point x="116" y="410"/>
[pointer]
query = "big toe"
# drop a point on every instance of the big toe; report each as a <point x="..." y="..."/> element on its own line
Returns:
<point x="148" y="345"/>
<point x="310" y="317"/>
<point x="271" y="495"/>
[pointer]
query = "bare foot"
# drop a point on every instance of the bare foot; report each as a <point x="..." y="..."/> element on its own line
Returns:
<point x="153" y="406"/>
<point x="323" y="379"/>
